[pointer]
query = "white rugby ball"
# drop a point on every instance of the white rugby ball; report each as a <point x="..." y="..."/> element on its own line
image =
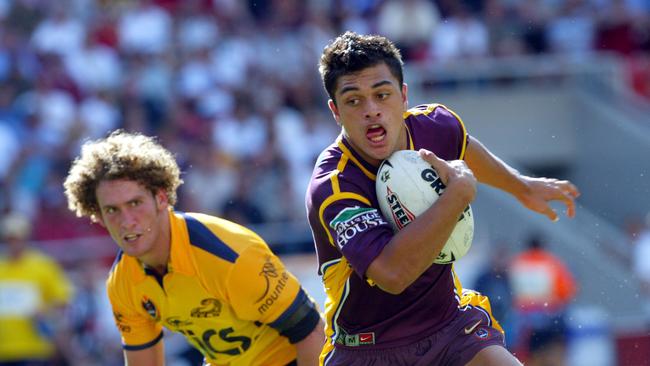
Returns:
<point x="406" y="186"/>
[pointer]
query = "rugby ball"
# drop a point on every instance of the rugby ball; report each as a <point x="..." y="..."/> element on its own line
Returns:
<point x="406" y="186"/>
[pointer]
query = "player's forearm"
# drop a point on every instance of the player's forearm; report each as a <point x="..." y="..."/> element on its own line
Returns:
<point x="152" y="356"/>
<point x="414" y="248"/>
<point x="309" y="349"/>
<point x="491" y="170"/>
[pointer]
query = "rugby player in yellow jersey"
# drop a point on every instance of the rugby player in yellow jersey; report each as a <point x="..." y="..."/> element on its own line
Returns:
<point x="213" y="281"/>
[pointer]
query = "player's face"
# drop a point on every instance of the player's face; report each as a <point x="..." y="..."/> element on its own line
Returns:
<point x="370" y="106"/>
<point x="135" y="218"/>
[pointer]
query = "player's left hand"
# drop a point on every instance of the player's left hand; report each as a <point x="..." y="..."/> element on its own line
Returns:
<point x="541" y="191"/>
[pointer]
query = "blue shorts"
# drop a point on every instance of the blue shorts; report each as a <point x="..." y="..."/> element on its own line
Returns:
<point x="454" y="345"/>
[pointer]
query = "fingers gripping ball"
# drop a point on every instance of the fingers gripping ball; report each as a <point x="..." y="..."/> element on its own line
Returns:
<point x="406" y="186"/>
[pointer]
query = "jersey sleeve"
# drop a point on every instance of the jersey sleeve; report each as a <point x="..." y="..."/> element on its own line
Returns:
<point x="357" y="229"/>
<point x="261" y="289"/>
<point x="137" y="329"/>
<point x="438" y="129"/>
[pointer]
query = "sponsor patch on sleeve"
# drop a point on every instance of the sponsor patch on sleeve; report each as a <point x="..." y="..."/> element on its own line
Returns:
<point x="354" y="220"/>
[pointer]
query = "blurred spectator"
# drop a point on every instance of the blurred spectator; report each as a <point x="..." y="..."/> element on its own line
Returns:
<point x="542" y="287"/>
<point x="59" y="33"/>
<point x="145" y="28"/>
<point x="641" y="263"/>
<point x="615" y="28"/>
<point x="33" y="293"/>
<point x="533" y="17"/>
<point x="409" y="24"/>
<point x="504" y="29"/>
<point x="572" y="30"/>
<point x="638" y="69"/>
<point x="460" y="36"/>
<point x="239" y="207"/>
<point x="211" y="181"/>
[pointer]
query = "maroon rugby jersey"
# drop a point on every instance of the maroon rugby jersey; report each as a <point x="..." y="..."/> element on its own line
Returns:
<point x="349" y="232"/>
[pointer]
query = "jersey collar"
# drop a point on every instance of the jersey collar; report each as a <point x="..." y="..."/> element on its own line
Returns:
<point x="367" y="168"/>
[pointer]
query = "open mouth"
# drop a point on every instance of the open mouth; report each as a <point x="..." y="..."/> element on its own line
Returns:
<point x="376" y="133"/>
<point x="131" y="237"/>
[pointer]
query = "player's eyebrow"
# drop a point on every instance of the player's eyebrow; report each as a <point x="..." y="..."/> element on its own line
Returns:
<point x="375" y="85"/>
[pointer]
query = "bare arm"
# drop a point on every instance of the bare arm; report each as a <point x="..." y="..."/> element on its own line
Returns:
<point x="309" y="349"/>
<point x="152" y="356"/>
<point x="533" y="193"/>
<point x="414" y="248"/>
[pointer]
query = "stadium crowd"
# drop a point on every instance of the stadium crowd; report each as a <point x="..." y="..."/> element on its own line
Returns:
<point x="232" y="87"/>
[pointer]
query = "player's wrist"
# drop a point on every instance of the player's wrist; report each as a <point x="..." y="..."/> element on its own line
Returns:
<point x="462" y="190"/>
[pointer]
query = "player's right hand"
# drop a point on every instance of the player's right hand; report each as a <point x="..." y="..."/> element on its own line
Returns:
<point x="455" y="174"/>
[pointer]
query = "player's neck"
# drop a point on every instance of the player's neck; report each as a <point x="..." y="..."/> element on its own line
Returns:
<point x="158" y="258"/>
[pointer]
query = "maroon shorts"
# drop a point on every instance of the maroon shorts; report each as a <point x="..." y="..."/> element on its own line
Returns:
<point x="455" y="345"/>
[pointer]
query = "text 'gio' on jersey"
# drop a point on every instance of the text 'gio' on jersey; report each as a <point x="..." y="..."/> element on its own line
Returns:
<point x="225" y="291"/>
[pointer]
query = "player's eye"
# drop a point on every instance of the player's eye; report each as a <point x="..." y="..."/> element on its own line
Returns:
<point x="383" y="96"/>
<point x="134" y="203"/>
<point x="109" y="210"/>
<point x="352" y="101"/>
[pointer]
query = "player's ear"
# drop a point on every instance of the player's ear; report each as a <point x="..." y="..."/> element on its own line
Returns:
<point x="162" y="201"/>
<point x="405" y="99"/>
<point x="335" y="111"/>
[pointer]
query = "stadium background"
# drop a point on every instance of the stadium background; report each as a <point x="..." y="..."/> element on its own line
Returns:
<point x="555" y="87"/>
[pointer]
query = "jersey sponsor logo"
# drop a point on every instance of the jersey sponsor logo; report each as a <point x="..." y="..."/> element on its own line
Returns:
<point x="430" y="176"/>
<point x="119" y="318"/>
<point x="177" y="322"/>
<point x="150" y="308"/>
<point x="271" y="293"/>
<point x="354" y="220"/>
<point x="209" y="308"/>
<point x="355" y="340"/>
<point x="470" y="328"/>
<point x="211" y="342"/>
<point x="436" y="183"/>
<point x="401" y="215"/>
<point x="367" y="338"/>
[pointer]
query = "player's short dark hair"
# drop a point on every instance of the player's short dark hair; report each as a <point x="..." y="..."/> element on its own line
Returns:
<point x="121" y="155"/>
<point x="351" y="52"/>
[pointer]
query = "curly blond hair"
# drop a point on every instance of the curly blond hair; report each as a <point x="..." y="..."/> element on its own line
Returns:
<point x="121" y="155"/>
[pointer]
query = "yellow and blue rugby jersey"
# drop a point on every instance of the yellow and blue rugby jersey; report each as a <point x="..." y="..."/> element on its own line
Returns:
<point x="34" y="283"/>
<point x="225" y="291"/>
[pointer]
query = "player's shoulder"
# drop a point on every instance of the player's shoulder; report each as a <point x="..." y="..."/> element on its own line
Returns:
<point x="432" y="112"/>
<point x="124" y="273"/>
<point x="328" y="160"/>
<point x="38" y="258"/>
<point x="339" y="171"/>
<point x="327" y="164"/>
<point x="218" y="237"/>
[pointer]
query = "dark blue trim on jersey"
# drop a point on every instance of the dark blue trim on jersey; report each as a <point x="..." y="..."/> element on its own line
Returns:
<point x="205" y="239"/>
<point x="118" y="257"/>
<point x="143" y="346"/>
<point x="299" y="320"/>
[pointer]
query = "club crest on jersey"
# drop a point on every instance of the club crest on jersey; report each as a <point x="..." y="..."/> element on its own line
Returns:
<point x="150" y="308"/>
<point x="354" y="220"/>
<point x="482" y="333"/>
<point x="209" y="308"/>
<point x="401" y="215"/>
